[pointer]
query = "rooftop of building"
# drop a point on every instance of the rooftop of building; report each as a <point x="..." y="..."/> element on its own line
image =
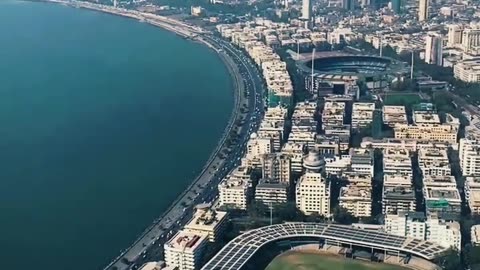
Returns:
<point x="398" y="193"/>
<point x="442" y="193"/>
<point x="186" y="241"/>
<point x="205" y="218"/>
<point x="266" y="183"/>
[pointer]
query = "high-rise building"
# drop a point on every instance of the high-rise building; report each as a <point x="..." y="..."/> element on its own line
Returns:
<point x="348" y="4"/>
<point x="434" y="50"/>
<point x="397" y="6"/>
<point x="455" y="33"/>
<point x="471" y="39"/>
<point x="423" y="10"/>
<point x="307" y="10"/>
<point x="313" y="194"/>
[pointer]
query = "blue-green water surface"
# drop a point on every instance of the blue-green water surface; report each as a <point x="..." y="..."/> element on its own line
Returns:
<point x="103" y="122"/>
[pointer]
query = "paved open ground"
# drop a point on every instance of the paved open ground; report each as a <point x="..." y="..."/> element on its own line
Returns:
<point x="309" y="260"/>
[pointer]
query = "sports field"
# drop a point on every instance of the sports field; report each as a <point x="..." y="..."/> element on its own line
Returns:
<point x="406" y="99"/>
<point x="305" y="260"/>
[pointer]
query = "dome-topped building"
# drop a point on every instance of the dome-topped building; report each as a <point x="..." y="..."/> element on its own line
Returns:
<point x="313" y="162"/>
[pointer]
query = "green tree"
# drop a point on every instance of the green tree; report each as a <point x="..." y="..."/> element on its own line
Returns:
<point x="342" y="216"/>
<point x="450" y="260"/>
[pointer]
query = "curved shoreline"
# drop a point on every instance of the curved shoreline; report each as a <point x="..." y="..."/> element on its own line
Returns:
<point x="237" y="83"/>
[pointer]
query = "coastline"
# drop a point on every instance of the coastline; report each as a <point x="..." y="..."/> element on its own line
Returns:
<point x="192" y="33"/>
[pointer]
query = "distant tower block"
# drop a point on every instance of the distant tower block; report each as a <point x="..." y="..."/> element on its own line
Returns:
<point x="423" y="10"/>
<point x="114" y="3"/>
<point x="307" y="10"/>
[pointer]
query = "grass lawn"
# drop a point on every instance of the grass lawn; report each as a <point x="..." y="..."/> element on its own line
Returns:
<point x="406" y="99"/>
<point x="304" y="260"/>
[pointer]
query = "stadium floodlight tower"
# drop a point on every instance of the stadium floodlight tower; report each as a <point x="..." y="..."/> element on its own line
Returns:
<point x="411" y="67"/>
<point x="313" y="68"/>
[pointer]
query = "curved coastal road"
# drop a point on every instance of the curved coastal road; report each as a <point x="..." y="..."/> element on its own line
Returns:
<point x="149" y="246"/>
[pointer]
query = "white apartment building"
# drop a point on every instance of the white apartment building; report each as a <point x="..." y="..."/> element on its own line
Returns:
<point x="471" y="39"/>
<point x="302" y="137"/>
<point x="467" y="70"/>
<point x="361" y="160"/>
<point x="427" y="132"/>
<point x="469" y="154"/>
<point x="295" y="152"/>
<point x="362" y="114"/>
<point x="276" y="166"/>
<point x="397" y="161"/>
<point x="333" y="114"/>
<point x="393" y="115"/>
<point x="438" y="229"/>
<point x="410" y="224"/>
<point x="434" y="50"/>
<point x="389" y="143"/>
<point x="422" y="117"/>
<point x="270" y="192"/>
<point x="207" y="221"/>
<point x="446" y="233"/>
<point x="357" y="200"/>
<point x="276" y="115"/>
<point x="442" y="199"/>
<point x="472" y="193"/>
<point x="185" y="250"/>
<point x="313" y="194"/>
<point x="455" y="33"/>
<point x="398" y="193"/>
<point x="256" y="148"/>
<point x="327" y="145"/>
<point x="271" y="131"/>
<point x="434" y="162"/>
<point x="236" y="189"/>
<point x="475" y="235"/>
<point x="336" y="165"/>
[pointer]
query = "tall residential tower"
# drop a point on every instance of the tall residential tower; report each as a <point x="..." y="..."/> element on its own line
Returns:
<point x="423" y="10"/>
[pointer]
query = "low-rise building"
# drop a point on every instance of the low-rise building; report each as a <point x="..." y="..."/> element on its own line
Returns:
<point x="397" y="161"/>
<point x="361" y="160"/>
<point x="185" y="250"/>
<point x="362" y="114"/>
<point x="425" y="117"/>
<point x="270" y="191"/>
<point x="235" y="190"/>
<point x="398" y="198"/>
<point x="336" y="165"/>
<point x="468" y="70"/>
<point x="357" y="200"/>
<point x="333" y="114"/>
<point x="438" y="228"/>
<point x="442" y="199"/>
<point x="427" y="132"/>
<point x="393" y="115"/>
